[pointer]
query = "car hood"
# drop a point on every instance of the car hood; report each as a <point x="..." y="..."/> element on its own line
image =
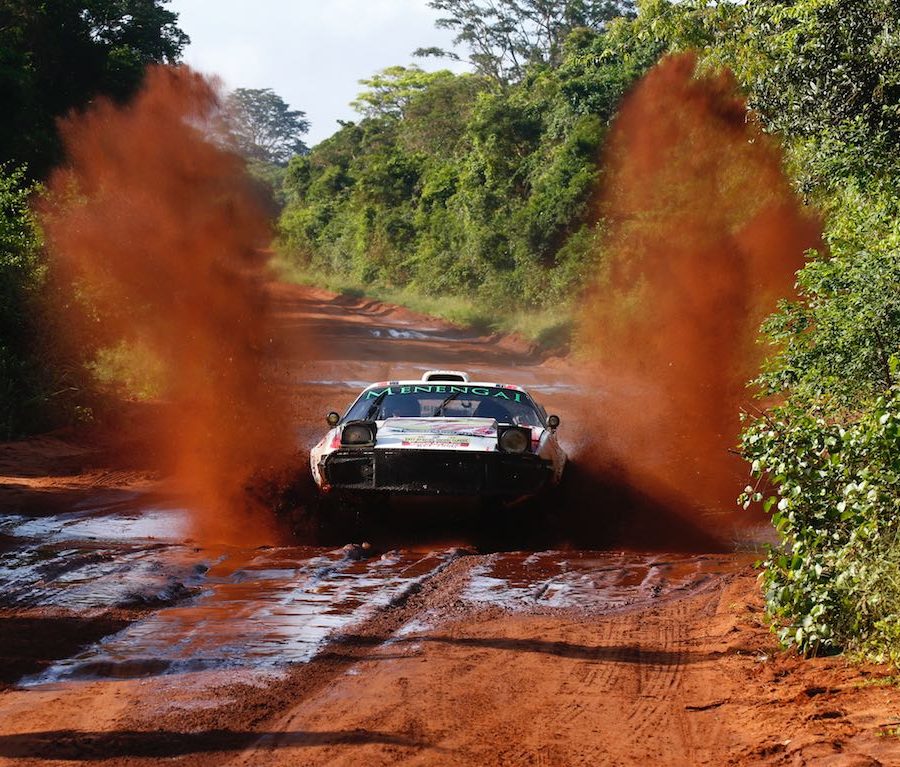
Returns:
<point x="478" y="434"/>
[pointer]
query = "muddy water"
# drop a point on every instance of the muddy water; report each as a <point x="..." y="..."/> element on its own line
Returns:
<point x="121" y="553"/>
<point x="218" y="607"/>
<point x="256" y="610"/>
<point x="592" y="581"/>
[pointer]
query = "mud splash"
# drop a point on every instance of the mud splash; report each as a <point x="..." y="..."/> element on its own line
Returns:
<point x="704" y="234"/>
<point x="160" y="230"/>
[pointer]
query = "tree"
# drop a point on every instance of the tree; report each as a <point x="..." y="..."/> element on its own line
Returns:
<point x="826" y="64"/>
<point x="57" y="56"/>
<point x="504" y="36"/>
<point x="434" y="120"/>
<point x="390" y="90"/>
<point x="264" y="127"/>
<point x="21" y="276"/>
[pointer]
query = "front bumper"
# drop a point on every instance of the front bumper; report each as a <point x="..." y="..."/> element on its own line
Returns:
<point x="436" y="472"/>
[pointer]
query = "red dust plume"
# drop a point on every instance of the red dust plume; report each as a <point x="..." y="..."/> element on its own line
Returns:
<point x="704" y="235"/>
<point x="160" y="228"/>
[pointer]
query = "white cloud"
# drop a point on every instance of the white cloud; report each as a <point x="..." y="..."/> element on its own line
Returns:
<point x="311" y="53"/>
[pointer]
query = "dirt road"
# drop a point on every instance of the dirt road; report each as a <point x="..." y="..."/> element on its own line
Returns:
<point x="447" y="642"/>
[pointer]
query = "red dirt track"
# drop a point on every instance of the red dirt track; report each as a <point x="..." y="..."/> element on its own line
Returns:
<point x="603" y="631"/>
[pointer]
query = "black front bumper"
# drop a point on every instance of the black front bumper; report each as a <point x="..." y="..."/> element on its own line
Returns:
<point x="437" y="472"/>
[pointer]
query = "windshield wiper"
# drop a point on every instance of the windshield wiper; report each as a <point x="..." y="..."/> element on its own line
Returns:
<point x="376" y="403"/>
<point x="440" y="408"/>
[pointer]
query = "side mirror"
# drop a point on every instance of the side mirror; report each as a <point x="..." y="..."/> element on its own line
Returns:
<point x="553" y="421"/>
<point x="333" y="419"/>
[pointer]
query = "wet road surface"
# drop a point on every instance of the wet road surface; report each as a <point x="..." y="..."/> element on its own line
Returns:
<point x="261" y="651"/>
<point x="263" y="609"/>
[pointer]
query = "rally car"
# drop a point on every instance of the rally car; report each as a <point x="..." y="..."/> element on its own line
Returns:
<point x="443" y="435"/>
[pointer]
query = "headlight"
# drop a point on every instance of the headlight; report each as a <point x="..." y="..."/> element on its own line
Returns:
<point x="514" y="439"/>
<point x="358" y="434"/>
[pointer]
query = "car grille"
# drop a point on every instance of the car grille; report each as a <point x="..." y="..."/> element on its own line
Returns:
<point x="432" y="471"/>
<point x="437" y="472"/>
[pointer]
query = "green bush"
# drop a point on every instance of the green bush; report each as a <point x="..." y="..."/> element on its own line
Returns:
<point x="21" y="277"/>
<point x="834" y="581"/>
<point x="831" y="451"/>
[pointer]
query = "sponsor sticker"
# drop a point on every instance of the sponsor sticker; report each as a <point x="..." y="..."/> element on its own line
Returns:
<point x="444" y="427"/>
<point x="432" y="440"/>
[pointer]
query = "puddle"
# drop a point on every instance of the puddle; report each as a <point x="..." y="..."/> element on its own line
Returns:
<point x="104" y="556"/>
<point x="409" y="335"/>
<point x="95" y="578"/>
<point x="220" y="610"/>
<point x="105" y="523"/>
<point x="260" y="610"/>
<point x="590" y="581"/>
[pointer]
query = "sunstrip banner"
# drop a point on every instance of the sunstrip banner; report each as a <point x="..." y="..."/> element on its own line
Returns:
<point x="478" y="391"/>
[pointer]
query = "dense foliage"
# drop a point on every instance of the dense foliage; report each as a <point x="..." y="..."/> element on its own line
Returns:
<point x="452" y="184"/>
<point x="21" y="277"/>
<point x="835" y="580"/>
<point x="54" y="57"/>
<point x="826" y="73"/>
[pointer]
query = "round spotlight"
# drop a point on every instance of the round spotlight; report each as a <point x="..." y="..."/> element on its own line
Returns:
<point x="358" y="434"/>
<point x="514" y="440"/>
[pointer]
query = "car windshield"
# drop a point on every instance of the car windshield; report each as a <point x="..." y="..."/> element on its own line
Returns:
<point x="453" y="401"/>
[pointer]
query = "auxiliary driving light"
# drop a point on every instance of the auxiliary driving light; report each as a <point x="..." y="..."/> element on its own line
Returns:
<point x="513" y="439"/>
<point x="360" y="433"/>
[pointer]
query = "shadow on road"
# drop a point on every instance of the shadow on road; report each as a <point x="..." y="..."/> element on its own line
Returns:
<point x="75" y="745"/>
<point x="633" y="654"/>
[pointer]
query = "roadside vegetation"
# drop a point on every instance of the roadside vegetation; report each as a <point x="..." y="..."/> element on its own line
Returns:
<point x="21" y="279"/>
<point x="826" y="76"/>
<point x="473" y="185"/>
<point x="471" y="196"/>
<point x="55" y="57"/>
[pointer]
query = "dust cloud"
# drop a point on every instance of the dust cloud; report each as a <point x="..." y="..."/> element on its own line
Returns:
<point x="161" y="230"/>
<point x="703" y="235"/>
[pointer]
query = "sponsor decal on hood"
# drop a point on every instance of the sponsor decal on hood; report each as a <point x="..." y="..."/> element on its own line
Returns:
<point x="466" y="427"/>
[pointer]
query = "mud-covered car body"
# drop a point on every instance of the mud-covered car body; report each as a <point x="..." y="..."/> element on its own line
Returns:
<point x="443" y="435"/>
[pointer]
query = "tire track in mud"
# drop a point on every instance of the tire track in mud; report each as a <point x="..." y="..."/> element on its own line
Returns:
<point x="262" y="710"/>
<point x="436" y="609"/>
<point x="624" y="673"/>
<point x="148" y="722"/>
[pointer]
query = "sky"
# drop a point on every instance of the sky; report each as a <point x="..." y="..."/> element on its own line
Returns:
<point x="312" y="53"/>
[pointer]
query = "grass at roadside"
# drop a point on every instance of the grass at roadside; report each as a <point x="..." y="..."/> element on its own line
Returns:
<point x="548" y="329"/>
